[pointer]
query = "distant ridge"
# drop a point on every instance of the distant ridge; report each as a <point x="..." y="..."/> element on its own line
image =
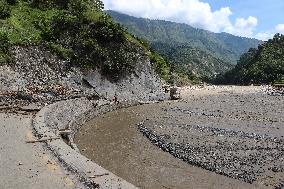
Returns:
<point x="208" y="53"/>
<point x="264" y="65"/>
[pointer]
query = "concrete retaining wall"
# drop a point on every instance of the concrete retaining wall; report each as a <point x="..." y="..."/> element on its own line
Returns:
<point x="73" y="114"/>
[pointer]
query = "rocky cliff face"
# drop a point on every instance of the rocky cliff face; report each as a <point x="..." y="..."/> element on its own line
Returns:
<point x="143" y="84"/>
<point x="37" y="75"/>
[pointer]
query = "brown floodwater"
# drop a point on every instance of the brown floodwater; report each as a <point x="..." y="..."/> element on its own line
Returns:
<point x="113" y="141"/>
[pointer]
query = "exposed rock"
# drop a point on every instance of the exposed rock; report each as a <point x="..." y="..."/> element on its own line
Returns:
<point x="39" y="76"/>
<point x="175" y="93"/>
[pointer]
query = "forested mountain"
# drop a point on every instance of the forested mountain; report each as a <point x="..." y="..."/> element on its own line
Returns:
<point x="220" y="50"/>
<point x="263" y="65"/>
<point x="189" y="58"/>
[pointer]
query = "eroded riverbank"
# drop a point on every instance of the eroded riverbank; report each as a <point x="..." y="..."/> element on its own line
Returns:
<point x="213" y="125"/>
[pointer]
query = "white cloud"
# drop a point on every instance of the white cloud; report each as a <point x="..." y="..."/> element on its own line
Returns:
<point x="193" y="12"/>
<point x="243" y="27"/>
<point x="269" y="34"/>
<point x="264" y="35"/>
<point x="280" y="28"/>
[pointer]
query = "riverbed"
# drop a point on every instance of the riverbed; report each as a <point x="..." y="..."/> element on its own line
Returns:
<point x="215" y="137"/>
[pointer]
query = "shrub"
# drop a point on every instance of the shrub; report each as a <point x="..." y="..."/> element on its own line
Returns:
<point x="4" y="41"/>
<point x="4" y="48"/>
<point x="12" y="2"/>
<point x="62" y="52"/>
<point x="5" y="9"/>
<point x="77" y="7"/>
<point x="45" y="4"/>
<point x="4" y="58"/>
<point x="64" y="21"/>
<point x="161" y="66"/>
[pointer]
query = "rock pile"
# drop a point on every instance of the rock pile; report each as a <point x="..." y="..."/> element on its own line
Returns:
<point x="277" y="90"/>
<point x="236" y="154"/>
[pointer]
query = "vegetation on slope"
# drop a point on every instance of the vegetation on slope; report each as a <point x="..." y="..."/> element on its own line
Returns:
<point x="263" y="65"/>
<point x="77" y="30"/>
<point x="192" y="59"/>
<point x="179" y="75"/>
<point x="214" y="52"/>
<point x="170" y="72"/>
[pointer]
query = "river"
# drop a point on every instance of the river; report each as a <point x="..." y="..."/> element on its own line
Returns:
<point x="222" y="137"/>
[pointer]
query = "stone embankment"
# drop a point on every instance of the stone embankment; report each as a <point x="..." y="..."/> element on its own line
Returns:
<point x="69" y="116"/>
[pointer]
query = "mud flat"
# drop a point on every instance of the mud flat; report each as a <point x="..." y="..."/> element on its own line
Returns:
<point x="216" y="137"/>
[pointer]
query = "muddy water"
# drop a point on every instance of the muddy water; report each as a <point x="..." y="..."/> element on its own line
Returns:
<point x="113" y="141"/>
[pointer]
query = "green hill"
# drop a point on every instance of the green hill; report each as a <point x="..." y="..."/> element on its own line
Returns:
<point x="263" y="65"/>
<point x="77" y="30"/>
<point x="217" y="52"/>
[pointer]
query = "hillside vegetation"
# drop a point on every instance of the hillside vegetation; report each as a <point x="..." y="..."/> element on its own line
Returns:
<point x="189" y="58"/>
<point x="78" y="31"/>
<point x="205" y="52"/>
<point x="264" y="65"/>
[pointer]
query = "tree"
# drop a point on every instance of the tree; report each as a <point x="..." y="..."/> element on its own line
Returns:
<point x="263" y="65"/>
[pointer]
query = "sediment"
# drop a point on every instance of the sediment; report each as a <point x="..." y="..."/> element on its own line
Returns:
<point x="71" y="115"/>
<point x="229" y="133"/>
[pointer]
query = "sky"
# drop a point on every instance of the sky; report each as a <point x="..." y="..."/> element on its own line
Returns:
<point x="259" y="19"/>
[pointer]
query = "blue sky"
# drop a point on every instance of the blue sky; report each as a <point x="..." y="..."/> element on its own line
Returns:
<point x="268" y="12"/>
<point x="249" y="18"/>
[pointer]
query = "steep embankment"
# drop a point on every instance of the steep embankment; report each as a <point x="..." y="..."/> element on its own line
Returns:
<point x="210" y="53"/>
<point x="37" y="75"/>
<point x="52" y="50"/>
